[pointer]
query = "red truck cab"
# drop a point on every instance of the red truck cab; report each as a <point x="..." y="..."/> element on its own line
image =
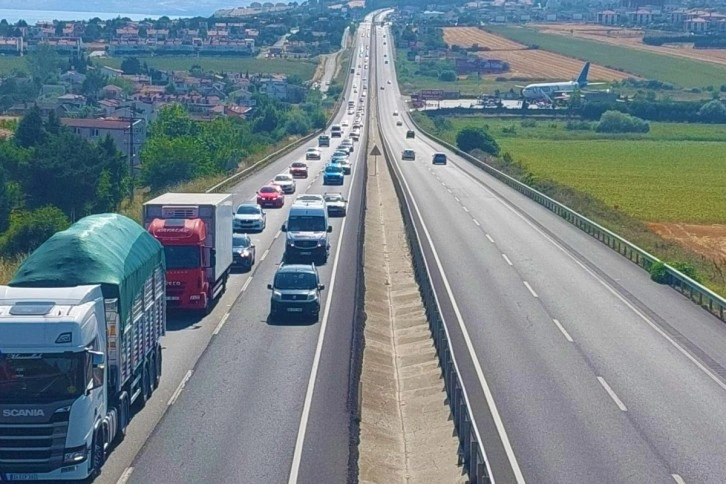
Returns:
<point x="188" y="258"/>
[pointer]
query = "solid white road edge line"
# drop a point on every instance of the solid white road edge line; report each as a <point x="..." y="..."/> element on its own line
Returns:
<point x="563" y="331"/>
<point x="246" y="284"/>
<point x="612" y="394"/>
<point x="125" y="476"/>
<point x="179" y="389"/>
<point x="530" y="289"/>
<point x="470" y="346"/>
<point x="277" y="235"/>
<point x="297" y="454"/>
<point x="221" y="323"/>
<point x="507" y="259"/>
<point x="678" y="479"/>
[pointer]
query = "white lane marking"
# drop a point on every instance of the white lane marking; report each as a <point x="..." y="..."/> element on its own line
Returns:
<point x="530" y="289"/>
<point x="465" y="209"/>
<point x="678" y="479"/>
<point x="507" y="259"/>
<point x="449" y="190"/>
<point x="179" y="389"/>
<point x="612" y="394"/>
<point x="252" y="199"/>
<point x="264" y="254"/>
<point x="221" y="323"/>
<point x="516" y="470"/>
<point x="563" y="331"/>
<point x="607" y="286"/>
<point x="476" y="222"/>
<point x="277" y="235"/>
<point x="457" y="199"/>
<point x="125" y="476"/>
<point x="246" y="284"/>
<point x="489" y="237"/>
<point x="299" y="442"/>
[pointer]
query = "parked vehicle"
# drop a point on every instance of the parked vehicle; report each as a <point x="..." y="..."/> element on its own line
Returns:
<point x="249" y="217"/>
<point x="243" y="252"/>
<point x="296" y="290"/>
<point x="299" y="169"/>
<point x="336" y="204"/>
<point x="80" y="324"/>
<point x="271" y="196"/>
<point x="306" y="232"/>
<point x="196" y="232"/>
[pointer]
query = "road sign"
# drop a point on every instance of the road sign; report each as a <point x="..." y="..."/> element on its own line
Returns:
<point x="375" y="151"/>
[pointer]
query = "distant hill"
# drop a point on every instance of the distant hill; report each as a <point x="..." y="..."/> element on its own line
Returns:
<point x="183" y="8"/>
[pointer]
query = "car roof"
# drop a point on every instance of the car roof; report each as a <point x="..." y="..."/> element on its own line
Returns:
<point x="309" y="268"/>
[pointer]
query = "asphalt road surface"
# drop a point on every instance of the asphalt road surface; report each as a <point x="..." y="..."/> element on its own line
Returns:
<point x="245" y="400"/>
<point x="578" y="367"/>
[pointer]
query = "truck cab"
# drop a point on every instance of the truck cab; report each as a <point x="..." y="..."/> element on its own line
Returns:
<point x="307" y="232"/>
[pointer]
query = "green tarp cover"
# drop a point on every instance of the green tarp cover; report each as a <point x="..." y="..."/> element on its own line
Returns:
<point x="106" y="249"/>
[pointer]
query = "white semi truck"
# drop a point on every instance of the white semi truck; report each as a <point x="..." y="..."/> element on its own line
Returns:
<point x="80" y="324"/>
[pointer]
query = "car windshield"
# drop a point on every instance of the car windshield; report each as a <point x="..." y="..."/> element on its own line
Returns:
<point x="297" y="164"/>
<point x="333" y="198"/>
<point x="248" y="210"/>
<point x="306" y="223"/>
<point x="268" y="190"/>
<point x="27" y="377"/>
<point x="295" y="280"/>
<point x="182" y="256"/>
<point x="240" y="241"/>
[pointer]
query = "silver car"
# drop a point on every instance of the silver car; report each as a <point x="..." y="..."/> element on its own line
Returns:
<point x="249" y="217"/>
<point x="286" y="182"/>
<point x="336" y="204"/>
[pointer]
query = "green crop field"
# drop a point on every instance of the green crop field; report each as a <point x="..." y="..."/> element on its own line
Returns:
<point x="678" y="71"/>
<point x="303" y="68"/>
<point x="675" y="173"/>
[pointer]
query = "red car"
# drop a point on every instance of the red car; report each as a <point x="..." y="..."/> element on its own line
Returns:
<point x="270" y="196"/>
<point x="299" y="170"/>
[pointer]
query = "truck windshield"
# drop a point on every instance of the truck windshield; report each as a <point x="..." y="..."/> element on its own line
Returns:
<point x="306" y="223"/>
<point x="182" y="256"/>
<point x="28" y="377"/>
<point x="295" y="280"/>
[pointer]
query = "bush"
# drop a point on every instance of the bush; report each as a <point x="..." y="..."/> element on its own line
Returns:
<point x="447" y="76"/>
<point x="617" y="122"/>
<point x="713" y="112"/>
<point x="30" y="229"/>
<point x="472" y="138"/>
<point x="659" y="273"/>
<point x="578" y="126"/>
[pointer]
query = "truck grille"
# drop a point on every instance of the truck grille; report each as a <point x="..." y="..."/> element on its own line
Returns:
<point x="30" y="448"/>
<point x="306" y="244"/>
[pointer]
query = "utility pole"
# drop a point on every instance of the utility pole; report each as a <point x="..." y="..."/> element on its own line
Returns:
<point x="131" y="152"/>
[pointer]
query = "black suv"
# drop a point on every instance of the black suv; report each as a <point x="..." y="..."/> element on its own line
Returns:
<point x="296" y="290"/>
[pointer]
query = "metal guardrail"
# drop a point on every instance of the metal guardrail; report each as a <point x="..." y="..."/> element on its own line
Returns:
<point x="696" y="292"/>
<point x="471" y="451"/>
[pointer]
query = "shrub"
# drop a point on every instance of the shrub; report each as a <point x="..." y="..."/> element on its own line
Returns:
<point x="447" y="76"/>
<point x="30" y="229"/>
<point x="617" y="122"/>
<point x="472" y="138"/>
<point x="578" y="126"/>
<point x="659" y="273"/>
<point x="713" y="111"/>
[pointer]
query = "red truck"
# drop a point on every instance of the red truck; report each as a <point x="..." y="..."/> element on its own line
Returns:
<point x="196" y="232"/>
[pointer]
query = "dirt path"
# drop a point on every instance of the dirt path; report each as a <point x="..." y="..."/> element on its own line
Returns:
<point x="707" y="240"/>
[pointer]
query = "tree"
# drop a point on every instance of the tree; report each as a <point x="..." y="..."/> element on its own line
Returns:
<point x="30" y="229"/>
<point x="131" y="65"/>
<point x="267" y="121"/>
<point x="30" y="130"/>
<point x="173" y="121"/>
<point x="43" y="63"/>
<point x="713" y="112"/>
<point x="94" y="82"/>
<point x="447" y="76"/>
<point x="114" y="176"/>
<point x="472" y="138"/>
<point x="617" y="122"/>
<point x="4" y="201"/>
<point x="166" y="161"/>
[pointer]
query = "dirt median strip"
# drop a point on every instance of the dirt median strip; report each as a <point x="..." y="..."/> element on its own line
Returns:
<point x="406" y="434"/>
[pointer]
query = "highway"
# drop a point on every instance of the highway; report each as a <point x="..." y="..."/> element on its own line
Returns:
<point x="578" y="367"/>
<point x="246" y="400"/>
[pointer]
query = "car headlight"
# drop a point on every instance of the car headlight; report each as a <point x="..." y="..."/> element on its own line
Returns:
<point x="243" y="253"/>
<point x="312" y="296"/>
<point x="75" y="455"/>
<point x="276" y="295"/>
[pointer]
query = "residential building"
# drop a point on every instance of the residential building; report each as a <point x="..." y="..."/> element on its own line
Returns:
<point x="128" y="140"/>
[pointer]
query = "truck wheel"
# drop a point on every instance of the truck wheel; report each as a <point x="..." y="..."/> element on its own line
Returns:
<point x="98" y="456"/>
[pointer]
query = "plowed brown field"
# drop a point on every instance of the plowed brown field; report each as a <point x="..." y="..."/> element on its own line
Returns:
<point x="708" y="240"/>
<point x="525" y="63"/>
<point x="631" y="38"/>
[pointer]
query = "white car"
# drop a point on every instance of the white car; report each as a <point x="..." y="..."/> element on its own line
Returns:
<point x="285" y="181"/>
<point x="345" y="123"/>
<point x="389" y="81"/>
<point x="395" y="113"/>
<point x="249" y="217"/>
<point x="312" y="154"/>
<point x="347" y="144"/>
<point x="336" y="204"/>
<point x="310" y="198"/>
